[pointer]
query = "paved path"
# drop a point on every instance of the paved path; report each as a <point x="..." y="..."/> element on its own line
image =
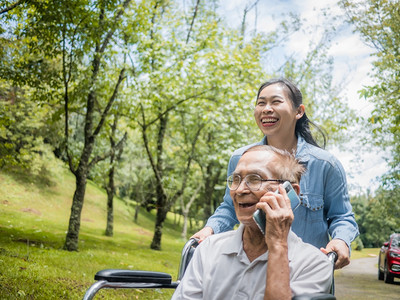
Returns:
<point x="359" y="280"/>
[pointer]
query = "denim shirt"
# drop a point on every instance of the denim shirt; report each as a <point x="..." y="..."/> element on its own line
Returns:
<point x="325" y="210"/>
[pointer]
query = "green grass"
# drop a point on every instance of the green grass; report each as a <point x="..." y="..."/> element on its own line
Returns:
<point x="366" y="252"/>
<point x="34" y="214"/>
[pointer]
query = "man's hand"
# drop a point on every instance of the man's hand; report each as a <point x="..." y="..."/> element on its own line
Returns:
<point x="279" y="217"/>
<point x="340" y="247"/>
<point x="202" y="234"/>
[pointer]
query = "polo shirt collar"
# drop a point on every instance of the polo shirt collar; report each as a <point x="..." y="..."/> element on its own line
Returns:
<point x="234" y="245"/>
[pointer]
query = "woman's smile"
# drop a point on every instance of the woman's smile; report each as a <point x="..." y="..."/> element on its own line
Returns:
<point x="269" y="121"/>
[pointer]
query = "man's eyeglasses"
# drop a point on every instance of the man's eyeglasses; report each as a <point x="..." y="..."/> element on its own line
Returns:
<point x="253" y="181"/>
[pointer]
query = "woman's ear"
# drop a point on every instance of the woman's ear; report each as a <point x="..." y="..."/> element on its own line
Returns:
<point x="296" y="188"/>
<point x="300" y="111"/>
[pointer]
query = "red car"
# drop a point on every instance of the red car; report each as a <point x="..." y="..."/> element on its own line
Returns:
<point x="389" y="259"/>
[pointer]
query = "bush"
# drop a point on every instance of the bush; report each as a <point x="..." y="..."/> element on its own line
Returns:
<point x="357" y="244"/>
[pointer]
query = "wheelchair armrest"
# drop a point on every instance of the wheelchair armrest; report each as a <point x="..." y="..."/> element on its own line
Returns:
<point x="116" y="275"/>
<point x="115" y="278"/>
<point x="317" y="296"/>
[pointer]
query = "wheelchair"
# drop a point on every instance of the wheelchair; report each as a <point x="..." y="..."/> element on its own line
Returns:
<point x="135" y="279"/>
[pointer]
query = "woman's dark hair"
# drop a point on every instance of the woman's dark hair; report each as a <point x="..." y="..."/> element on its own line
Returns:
<point x="303" y="124"/>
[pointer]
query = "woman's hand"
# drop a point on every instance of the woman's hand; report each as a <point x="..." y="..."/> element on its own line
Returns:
<point x="202" y="234"/>
<point x="340" y="247"/>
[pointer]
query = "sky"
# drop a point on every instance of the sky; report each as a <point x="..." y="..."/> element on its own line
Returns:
<point x="352" y="63"/>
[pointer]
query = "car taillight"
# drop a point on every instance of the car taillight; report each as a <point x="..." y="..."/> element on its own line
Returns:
<point x="394" y="254"/>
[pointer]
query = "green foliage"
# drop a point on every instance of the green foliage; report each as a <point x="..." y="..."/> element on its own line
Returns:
<point x="357" y="244"/>
<point x="22" y="128"/>
<point x="378" y="22"/>
<point x="377" y="216"/>
<point x="323" y="101"/>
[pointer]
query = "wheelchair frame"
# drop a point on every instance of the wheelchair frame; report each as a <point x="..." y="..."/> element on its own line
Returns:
<point x="128" y="279"/>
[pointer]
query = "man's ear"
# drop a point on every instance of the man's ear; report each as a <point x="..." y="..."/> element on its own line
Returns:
<point x="296" y="188"/>
<point x="300" y="111"/>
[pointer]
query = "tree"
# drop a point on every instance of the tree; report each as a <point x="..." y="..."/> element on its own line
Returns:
<point x="188" y="80"/>
<point x="378" y="22"/>
<point x="82" y="37"/>
<point x="109" y="20"/>
<point x="376" y="216"/>
<point x="22" y="124"/>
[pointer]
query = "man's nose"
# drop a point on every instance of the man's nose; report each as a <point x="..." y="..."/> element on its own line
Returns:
<point x="242" y="187"/>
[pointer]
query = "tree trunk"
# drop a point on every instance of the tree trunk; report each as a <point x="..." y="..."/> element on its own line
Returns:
<point x="185" y="222"/>
<point x="160" y="218"/>
<point x="175" y="217"/>
<point x="71" y="241"/>
<point x="208" y="189"/>
<point x="136" y="212"/>
<point x="110" y="201"/>
<point x="210" y="181"/>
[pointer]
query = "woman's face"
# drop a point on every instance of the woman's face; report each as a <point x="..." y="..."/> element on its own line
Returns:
<point x="274" y="112"/>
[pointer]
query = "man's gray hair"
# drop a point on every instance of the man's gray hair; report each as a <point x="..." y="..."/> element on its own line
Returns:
<point x="287" y="167"/>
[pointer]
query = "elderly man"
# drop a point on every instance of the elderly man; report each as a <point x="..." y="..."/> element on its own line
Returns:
<point x="245" y="263"/>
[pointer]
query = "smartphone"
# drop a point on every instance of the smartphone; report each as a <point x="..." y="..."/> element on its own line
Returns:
<point x="259" y="215"/>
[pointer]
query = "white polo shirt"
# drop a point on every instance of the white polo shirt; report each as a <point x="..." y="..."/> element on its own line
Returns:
<point x="220" y="269"/>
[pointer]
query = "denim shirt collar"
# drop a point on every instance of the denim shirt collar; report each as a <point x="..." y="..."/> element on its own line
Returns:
<point x="302" y="152"/>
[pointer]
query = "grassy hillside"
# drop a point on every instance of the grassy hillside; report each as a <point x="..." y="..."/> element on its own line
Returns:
<point x="34" y="214"/>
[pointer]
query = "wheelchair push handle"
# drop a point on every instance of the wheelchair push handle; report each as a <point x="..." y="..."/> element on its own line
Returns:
<point x="332" y="256"/>
<point x="186" y="256"/>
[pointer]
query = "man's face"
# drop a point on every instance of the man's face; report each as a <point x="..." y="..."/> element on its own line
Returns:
<point x="244" y="199"/>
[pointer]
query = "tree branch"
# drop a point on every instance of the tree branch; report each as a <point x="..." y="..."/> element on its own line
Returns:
<point x="110" y="33"/>
<point x="146" y="146"/>
<point x="190" y="158"/>
<point x="121" y="77"/>
<point x="173" y="107"/>
<point x="114" y="149"/>
<point x="12" y="6"/>
<point x="191" y="24"/>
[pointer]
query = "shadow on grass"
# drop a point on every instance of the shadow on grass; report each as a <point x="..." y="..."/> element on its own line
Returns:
<point x="42" y="180"/>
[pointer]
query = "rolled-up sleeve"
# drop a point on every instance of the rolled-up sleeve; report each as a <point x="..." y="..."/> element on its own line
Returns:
<point x="341" y="221"/>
